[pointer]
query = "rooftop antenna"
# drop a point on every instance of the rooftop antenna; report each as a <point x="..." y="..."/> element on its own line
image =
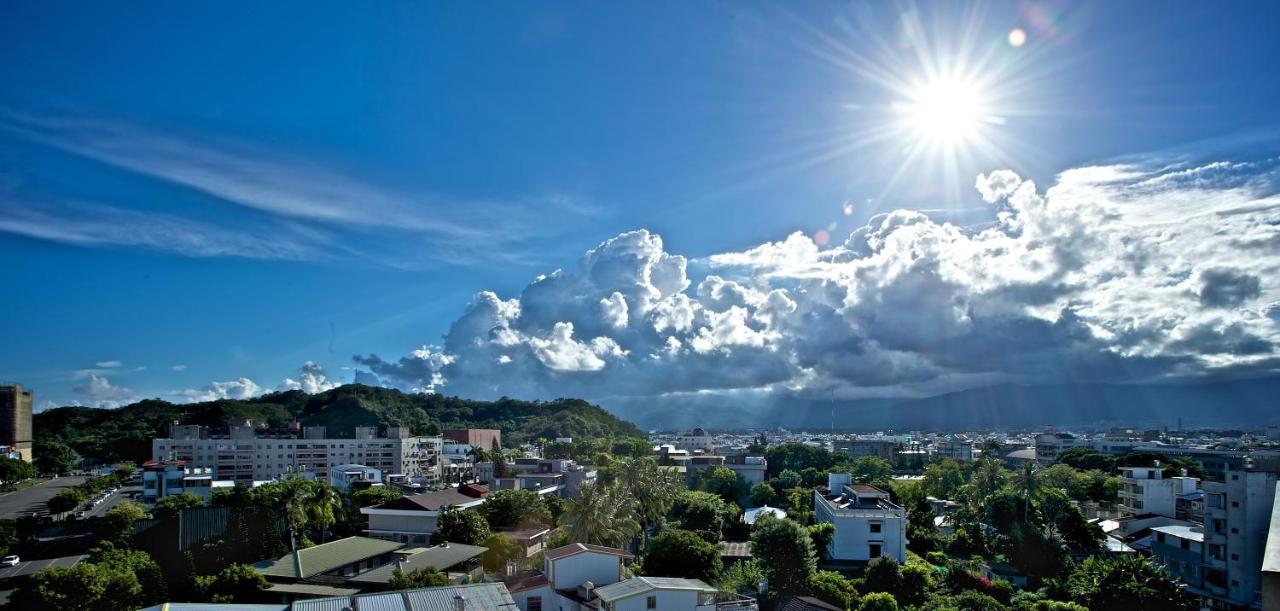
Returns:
<point x="833" y="412"/>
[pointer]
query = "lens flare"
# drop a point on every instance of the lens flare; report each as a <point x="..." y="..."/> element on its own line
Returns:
<point x="1017" y="37"/>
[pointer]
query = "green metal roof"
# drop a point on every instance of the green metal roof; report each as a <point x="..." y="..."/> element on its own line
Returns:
<point x="327" y="557"/>
<point x="310" y="589"/>
<point x="438" y="556"/>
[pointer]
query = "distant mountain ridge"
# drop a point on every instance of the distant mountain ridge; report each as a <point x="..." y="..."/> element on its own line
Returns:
<point x="1250" y="403"/>
<point x="126" y="432"/>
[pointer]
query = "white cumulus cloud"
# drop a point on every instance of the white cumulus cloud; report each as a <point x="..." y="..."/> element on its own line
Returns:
<point x="1113" y="273"/>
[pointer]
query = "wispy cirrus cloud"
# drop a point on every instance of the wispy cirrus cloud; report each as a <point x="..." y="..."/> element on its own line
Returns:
<point x="292" y="188"/>
<point x="92" y="224"/>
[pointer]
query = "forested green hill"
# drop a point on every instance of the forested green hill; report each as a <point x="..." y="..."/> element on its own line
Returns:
<point x="125" y="433"/>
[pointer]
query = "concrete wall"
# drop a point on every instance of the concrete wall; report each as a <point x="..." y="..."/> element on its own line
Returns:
<point x="571" y="572"/>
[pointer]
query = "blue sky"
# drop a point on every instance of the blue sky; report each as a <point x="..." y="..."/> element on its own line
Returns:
<point x="193" y="195"/>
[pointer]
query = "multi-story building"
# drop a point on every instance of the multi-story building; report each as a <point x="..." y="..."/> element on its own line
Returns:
<point x="868" y="525"/>
<point x="343" y="476"/>
<point x="244" y="453"/>
<point x="1050" y="444"/>
<point x="1146" y="490"/>
<point x="480" y="438"/>
<point x="1271" y="560"/>
<point x="750" y="468"/>
<point x="871" y="445"/>
<point x="1237" y="511"/>
<point x="15" y="421"/>
<point x="955" y="448"/>
<point x="161" y="479"/>
<point x="696" y="440"/>
<point x="413" y="519"/>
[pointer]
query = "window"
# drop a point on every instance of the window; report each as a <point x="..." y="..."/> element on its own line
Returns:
<point x="874" y="550"/>
<point x="534" y="603"/>
<point x="651" y="602"/>
<point x="1235" y="556"/>
<point x="1186" y="544"/>
<point x="876" y="526"/>
<point x="1235" y="531"/>
<point x="1235" y="503"/>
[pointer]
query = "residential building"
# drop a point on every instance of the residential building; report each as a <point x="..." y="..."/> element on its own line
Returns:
<point x="343" y="476"/>
<point x="868" y="525"/>
<point x="1147" y="490"/>
<point x="1180" y="549"/>
<point x="15" y="421"/>
<point x="246" y="453"/>
<point x="1237" y="511"/>
<point x="1271" y="559"/>
<point x="161" y="479"/>
<point x="582" y="577"/>
<point x="412" y="519"/>
<point x="878" y="446"/>
<point x="328" y="565"/>
<point x="645" y="593"/>
<point x="562" y="474"/>
<point x="458" y="562"/>
<point x="480" y="438"/>
<point x="695" y="441"/>
<point x="1051" y="443"/>
<point x="955" y="448"/>
<point x="750" y="468"/>
<point x="463" y="597"/>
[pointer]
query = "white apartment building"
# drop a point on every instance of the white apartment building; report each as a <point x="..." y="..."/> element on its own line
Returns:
<point x="880" y="446"/>
<point x="1236" y="514"/>
<point x="1146" y="490"/>
<point x="868" y="525"/>
<point x="245" y="453"/>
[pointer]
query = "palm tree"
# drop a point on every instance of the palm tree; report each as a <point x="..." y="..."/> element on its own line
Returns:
<point x="655" y="489"/>
<point x="323" y="507"/>
<point x="1028" y="483"/>
<point x="602" y="515"/>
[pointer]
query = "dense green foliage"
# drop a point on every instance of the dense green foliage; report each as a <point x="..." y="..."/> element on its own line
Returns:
<point x="109" y="435"/>
<point x="238" y="583"/>
<point x="515" y="509"/>
<point x="681" y="553"/>
<point x="785" y="552"/>
<point x="461" y="526"/>
<point x="425" y="577"/>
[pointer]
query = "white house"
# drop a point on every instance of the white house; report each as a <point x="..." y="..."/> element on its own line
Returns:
<point x="645" y="593"/>
<point x="868" y="525"/>
<point x="579" y="577"/>
<point x="342" y="476"/>
<point x="750" y="468"/>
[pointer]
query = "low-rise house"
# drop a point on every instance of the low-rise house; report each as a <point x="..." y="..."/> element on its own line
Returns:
<point x="1180" y="549"/>
<point x="316" y="570"/>
<point x="469" y="597"/>
<point x="413" y="519"/>
<point x="459" y="562"/>
<point x="581" y="577"/>
<point x="867" y="524"/>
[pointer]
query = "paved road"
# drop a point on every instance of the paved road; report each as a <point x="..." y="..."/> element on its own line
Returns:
<point x="28" y="567"/>
<point x="21" y="502"/>
<point x="121" y="495"/>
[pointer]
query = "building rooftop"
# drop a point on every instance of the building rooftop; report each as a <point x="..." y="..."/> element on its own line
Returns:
<point x="1271" y="555"/>
<point x="326" y="557"/>
<point x="435" y="501"/>
<point x="477" y="596"/>
<point x="440" y="557"/>
<point x="1192" y="533"/>
<point x="640" y="585"/>
<point x="735" y="549"/>
<point x="578" y="548"/>
<point x="751" y="515"/>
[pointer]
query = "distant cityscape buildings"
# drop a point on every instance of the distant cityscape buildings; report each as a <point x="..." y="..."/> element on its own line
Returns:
<point x="245" y="453"/>
<point x="15" y="421"/>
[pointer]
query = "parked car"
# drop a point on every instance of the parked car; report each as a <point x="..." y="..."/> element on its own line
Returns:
<point x="11" y="561"/>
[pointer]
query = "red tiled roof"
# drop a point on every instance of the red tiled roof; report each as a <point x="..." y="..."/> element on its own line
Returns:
<point x="578" y="548"/>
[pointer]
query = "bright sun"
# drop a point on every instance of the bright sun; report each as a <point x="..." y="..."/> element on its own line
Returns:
<point x="945" y="111"/>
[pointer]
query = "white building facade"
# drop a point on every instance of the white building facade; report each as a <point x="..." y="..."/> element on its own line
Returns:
<point x="867" y="524"/>
<point x="1146" y="490"/>
<point x="245" y="454"/>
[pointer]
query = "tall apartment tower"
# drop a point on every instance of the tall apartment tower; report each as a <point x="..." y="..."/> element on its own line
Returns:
<point x="15" y="420"/>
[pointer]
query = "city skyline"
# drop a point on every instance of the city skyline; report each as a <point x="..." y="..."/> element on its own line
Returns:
<point x="751" y="205"/>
